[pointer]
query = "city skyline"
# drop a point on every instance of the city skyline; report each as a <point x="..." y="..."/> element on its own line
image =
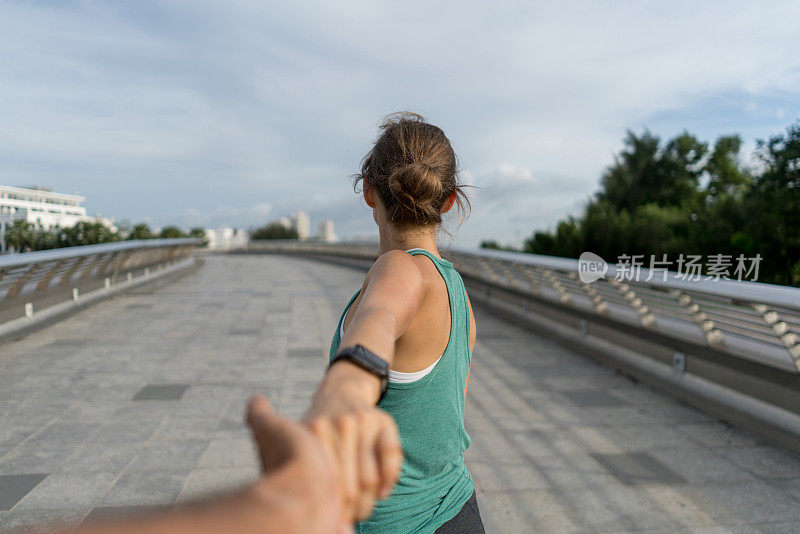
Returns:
<point x="46" y="209"/>
<point x="208" y="114"/>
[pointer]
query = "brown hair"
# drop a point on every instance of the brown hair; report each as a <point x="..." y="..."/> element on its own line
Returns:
<point x="413" y="169"/>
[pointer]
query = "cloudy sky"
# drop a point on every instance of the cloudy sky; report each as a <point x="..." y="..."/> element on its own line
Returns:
<point x="234" y="112"/>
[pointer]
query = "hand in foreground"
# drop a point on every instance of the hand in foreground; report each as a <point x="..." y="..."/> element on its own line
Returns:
<point x="363" y="443"/>
<point x="297" y="468"/>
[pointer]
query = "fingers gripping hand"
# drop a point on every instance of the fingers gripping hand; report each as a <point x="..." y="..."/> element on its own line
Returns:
<point x="299" y="466"/>
<point x="390" y="457"/>
<point x="366" y="447"/>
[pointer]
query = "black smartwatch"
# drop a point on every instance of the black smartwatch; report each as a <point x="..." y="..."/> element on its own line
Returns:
<point x="367" y="360"/>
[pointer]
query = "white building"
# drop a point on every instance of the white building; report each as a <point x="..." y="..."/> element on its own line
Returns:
<point x="226" y="238"/>
<point x="43" y="209"/>
<point x="326" y="233"/>
<point x="302" y="224"/>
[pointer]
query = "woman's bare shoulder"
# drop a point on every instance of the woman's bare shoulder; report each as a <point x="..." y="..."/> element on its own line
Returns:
<point x="395" y="263"/>
<point x="392" y="273"/>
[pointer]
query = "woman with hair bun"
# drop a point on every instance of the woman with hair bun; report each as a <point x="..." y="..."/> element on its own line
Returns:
<point x="401" y="353"/>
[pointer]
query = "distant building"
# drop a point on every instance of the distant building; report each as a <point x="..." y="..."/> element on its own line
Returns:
<point x="302" y="224"/>
<point x="283" y="221"/>
<point x="226" y="238"/>
<point x="326" y="233"/>
<point x="43" y="209"/>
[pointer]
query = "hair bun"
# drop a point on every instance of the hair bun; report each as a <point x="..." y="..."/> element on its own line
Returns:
<point x="417" y="188"/>
<point x="412" y="168"/>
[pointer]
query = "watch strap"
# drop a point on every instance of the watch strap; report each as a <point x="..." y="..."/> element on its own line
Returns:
<point x="367" y="360"/>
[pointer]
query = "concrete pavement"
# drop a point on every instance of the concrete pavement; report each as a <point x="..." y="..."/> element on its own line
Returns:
<point x="138" y="401"/>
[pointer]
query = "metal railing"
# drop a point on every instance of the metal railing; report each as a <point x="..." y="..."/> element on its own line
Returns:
<point x="759" y="322"/>
<point x="36" y="280"/>
<point x="746" y="320"/>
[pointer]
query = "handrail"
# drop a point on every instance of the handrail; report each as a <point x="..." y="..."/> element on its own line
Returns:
<point x="745" y="291"/>
<point x="12" y="260"/>
<point x="36" y="280"/>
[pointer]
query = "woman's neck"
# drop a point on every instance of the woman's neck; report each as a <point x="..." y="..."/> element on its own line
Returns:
<point x="393" y="239"/>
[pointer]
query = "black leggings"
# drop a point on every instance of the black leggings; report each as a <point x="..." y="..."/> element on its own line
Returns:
<point x="467" y="521"/>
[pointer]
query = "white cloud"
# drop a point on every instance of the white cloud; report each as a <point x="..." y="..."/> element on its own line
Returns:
<point x="513" y="175"/>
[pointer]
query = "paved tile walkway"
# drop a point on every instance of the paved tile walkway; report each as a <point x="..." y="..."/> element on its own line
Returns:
<point x="137" y="403"/>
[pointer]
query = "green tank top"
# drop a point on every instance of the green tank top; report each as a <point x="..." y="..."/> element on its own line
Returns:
<point x="434" y="483"/>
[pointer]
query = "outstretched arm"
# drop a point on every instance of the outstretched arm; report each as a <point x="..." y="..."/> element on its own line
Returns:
<point x="392" y="295"/>
<point x="362" y="439"/>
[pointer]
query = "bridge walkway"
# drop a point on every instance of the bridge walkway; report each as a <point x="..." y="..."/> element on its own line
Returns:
<point x="137" y="403"/>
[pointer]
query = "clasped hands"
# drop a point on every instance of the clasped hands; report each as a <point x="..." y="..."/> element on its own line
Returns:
<point x="328" y="471"/>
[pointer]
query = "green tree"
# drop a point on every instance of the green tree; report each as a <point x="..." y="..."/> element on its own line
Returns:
<point x="45" y="240"/>
<point x="274" y="230"/>
<point x="567" y="241"/>
<point x="726" y="176"/>
<point x="647" y="202"/>
<point x="197" y="231"/>
<point x="682" y="198"/>
<point x="20" y="235"/>
<point x="657" y="230"/>
<point x="644" y="172"/>
<point x="625" y="184"/>
<point x="540" y="243"/>
<point x="774" y="206"/>
<point x="86" y="233"/>
<point x="605" y="229"/>
<point x="141" y="231"/>
<point x="170" y="232"/>
<point x="200" y="233"/>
